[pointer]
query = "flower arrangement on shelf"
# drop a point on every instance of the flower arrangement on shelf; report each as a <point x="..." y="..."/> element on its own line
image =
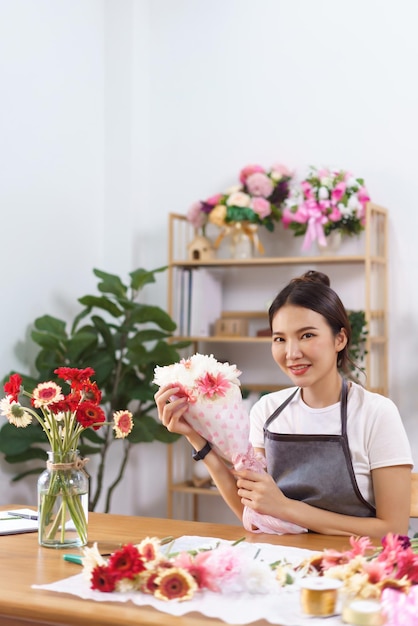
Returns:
<point x="256" y="201"/>
<point x="388" y="574"/>
<point x="326" y="200"/>
<point x="63" y="418"/>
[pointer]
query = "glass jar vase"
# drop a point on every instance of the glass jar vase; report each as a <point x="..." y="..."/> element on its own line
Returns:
<point x="63" y="489"/>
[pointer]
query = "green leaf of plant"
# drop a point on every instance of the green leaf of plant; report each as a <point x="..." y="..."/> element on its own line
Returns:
<point x="50" y="342"/>
<point x="79" y="343"/>
<point x="145" y="313"/>
<point x="15" y="440"/>
<point x="110" y="284"/>
<point x="101" y="303"/>
<point x="104" y="330"/>
<point x="141" y="277"/>
<point x="144" y="429"/>
<point x="51" y="325"/>
<point x="28" y="455"/>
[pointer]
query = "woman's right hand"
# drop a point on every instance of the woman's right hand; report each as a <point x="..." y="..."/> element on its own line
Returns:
<point x="171" y="411"/>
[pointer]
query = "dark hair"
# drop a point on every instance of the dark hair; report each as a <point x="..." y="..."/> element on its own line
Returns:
<point x="312" y="291"/>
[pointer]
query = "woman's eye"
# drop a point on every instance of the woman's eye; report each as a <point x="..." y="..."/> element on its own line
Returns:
<point x="278" y="340"/>
<point x="307" y="335"/>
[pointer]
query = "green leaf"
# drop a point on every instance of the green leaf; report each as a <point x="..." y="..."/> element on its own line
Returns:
<point x="110" y="284"/>
<point x="79" y="343"/>
<point x="104" y="329"/>
<point x="144" y="429"/>
<point x="145" y="313"/>
<point x="50" y="342"/>
<point x="28" y="455"/>
<point x="141" y="277"/>
<point x="51" y="325"/>
<point x="101" y="303"/>
<point x="15" y="440"/>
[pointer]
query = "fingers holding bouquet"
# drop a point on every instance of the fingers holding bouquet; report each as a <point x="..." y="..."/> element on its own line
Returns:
<point x="171" y="410"/>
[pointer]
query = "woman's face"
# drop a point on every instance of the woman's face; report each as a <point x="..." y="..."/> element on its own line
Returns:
<point x="304" y="346"/>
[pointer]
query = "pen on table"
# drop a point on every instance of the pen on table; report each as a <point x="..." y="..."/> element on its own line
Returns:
<point x="23" y="516"/>
<point x="73" y="558"/>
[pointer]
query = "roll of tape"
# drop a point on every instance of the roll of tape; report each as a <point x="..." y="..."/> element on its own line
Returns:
<point x="363" y="613"/>
<point x="319" y="596"/>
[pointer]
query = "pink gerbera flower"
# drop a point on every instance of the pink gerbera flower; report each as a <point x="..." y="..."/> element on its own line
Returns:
<point x="211" y="385"/>
<point x="45" y="394"/>
<point x="123" y="424"/>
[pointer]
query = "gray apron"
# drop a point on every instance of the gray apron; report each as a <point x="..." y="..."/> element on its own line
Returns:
<point x="316" y="469"/>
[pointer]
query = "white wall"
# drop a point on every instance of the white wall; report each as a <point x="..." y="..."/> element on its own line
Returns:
<point x="116" y="112"/>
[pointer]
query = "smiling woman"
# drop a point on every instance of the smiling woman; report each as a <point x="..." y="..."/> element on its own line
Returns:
<point x="337" y="456"/>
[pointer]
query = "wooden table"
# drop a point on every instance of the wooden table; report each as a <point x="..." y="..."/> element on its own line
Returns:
<point x="24" y="563"/>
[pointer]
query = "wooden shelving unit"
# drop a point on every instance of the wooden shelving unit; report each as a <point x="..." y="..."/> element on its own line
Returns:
<point x="367" y="266"/>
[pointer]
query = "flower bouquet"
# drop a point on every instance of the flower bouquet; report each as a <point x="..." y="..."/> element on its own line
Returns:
<point x="325" y="201"/>
<point x="63" y="487"/>
<point x="256" y="201"/>
<point x="216" y="411"/>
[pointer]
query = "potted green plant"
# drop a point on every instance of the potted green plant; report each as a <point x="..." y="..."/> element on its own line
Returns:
<point x="123" y="340"/>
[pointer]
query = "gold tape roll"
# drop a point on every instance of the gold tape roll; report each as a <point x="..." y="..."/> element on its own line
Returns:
<point x="319" y="596"/>
<point x="363" y="613"/>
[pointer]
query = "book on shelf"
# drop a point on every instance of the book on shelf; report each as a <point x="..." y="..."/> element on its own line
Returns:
<point x="197" y="302"/>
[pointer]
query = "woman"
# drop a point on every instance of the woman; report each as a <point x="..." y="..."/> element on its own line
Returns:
<point x="338" y="459"/>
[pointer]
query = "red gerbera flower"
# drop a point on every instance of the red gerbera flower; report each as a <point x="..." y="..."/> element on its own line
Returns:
<point x="89" y="414"/>
<point x="69" y="403"/>
<point x="91" y="392"/>
<point x="102" y="579"/>
<point x="12" y="387"/>
<point x="126" y="562"/>
<point x="73" y="374"/>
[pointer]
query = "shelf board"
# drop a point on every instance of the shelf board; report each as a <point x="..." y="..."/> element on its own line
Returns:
<point x="223" y="339"/>
<point x="266" y="261"/>
<point x="186" y="487"/>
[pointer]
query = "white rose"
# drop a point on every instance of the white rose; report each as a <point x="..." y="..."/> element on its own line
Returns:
<point x="345" y="210"/>
<point x="354" y="203"/>
<point x="326" y="181"/>
<point x="239" y="199"/>
<point x="323" y="193"/>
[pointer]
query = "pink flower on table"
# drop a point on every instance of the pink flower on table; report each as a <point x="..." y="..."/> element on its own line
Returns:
<point x="259" y="184"/>
<point x="211" y="385"/>
<point x="261" y="206"/>
<point x="248" y="170"/>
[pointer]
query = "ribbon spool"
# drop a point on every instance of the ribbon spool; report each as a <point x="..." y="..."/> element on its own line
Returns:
<point x="319" y="596"/>
<point x="363" y="613"/>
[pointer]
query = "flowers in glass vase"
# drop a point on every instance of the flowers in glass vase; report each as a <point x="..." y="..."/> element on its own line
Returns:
<point x="256" y="201"/>
<point x="326" y="200"/>
<point x="62" y="418"/>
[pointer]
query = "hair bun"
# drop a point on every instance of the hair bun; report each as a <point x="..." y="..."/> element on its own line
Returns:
<point x="314" y="277"/>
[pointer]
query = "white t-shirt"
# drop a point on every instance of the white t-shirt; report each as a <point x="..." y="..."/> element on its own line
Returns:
<point x="375" y="431"/>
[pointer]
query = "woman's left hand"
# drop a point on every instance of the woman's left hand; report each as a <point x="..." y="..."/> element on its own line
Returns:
<point x="259" y="492"/>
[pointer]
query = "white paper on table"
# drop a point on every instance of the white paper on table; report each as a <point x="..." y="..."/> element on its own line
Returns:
<point x="281" y="607"/>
